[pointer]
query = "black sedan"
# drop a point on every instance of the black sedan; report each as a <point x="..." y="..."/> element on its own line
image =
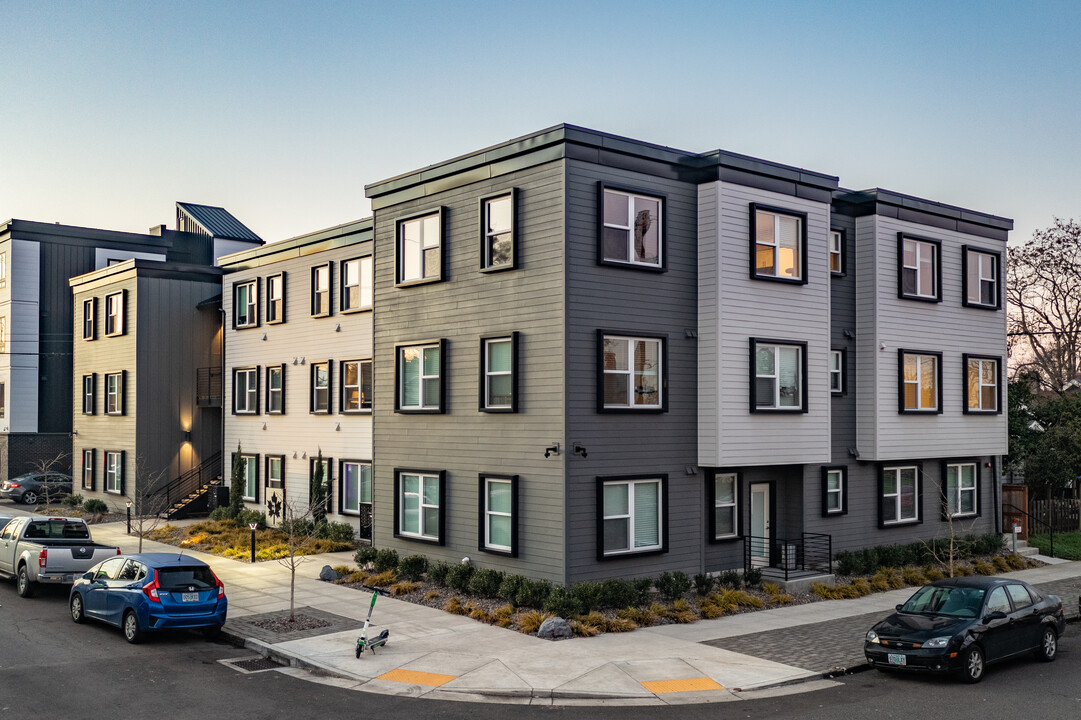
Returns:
<point x="963" y="624"/>
<point x="32" y="488"/>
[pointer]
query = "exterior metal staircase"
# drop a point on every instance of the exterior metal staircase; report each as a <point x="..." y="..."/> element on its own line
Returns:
<point x="188" y="495"/>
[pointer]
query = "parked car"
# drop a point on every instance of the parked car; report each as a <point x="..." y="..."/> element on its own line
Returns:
<point x="4" y="520"/>
<point x="48" y="550"/>
<point x="32" y="488"/>
<point x="964" y="624"/>
<point x="149" y="592"/>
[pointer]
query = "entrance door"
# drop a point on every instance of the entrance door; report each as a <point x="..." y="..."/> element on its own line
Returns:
<point x="760" y="531"/>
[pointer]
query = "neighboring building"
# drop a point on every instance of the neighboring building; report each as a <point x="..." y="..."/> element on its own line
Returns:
<point x="298" y="371"/>
<point x="600" y="357"/>
<point x="147" y="346"/>
<point x="36" y="261"/>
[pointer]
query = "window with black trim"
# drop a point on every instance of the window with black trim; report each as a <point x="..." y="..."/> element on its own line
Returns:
<point x="114" y="393"/>
<point x="321" y="290"/>
<point x="356" y="376"/>
<point x="837" y="250"/>
<point x="246" y="391"/>
<point x="837" y="372"/>
<point x="725" y="510"/>
<point x="3" y="399"/>
<point x="633" y="373"/>
<point x="834" y="490"/>
<point x="920" y="381"/>
<point x="275" y="298"/>
<point x="250" y="478"/>
<point x="420" y="248"/>
<point x="114" y="313"/>
<point x="499" y="374"/>
<point x="981" y="384"/>
<point x="778" y="244"/>
<point x="114" y="472"/>
<point x="90" y="314"/>
<point x="320" y="387"/>
<point x="90" y="391"/>
<point x="962" y="488"/>
<point x="246" y="304"/>
<point x="419" y="370"/>
<point x="328" y="479"/>
<point x="419" y="513"/>
<point x="980" y="273"/>
<point x="498" y="513"/>
<point x="498" y="217"/>
<point x="275" y="471"/>
<point x="356" y="282"/>
<point x="632" y="515"/>
<point x="631" y="228"/>
<point x="920" y="268"/>
<point x="778" y="376"/>
<point x="355" y="486"/>
<point x="89" y="461"/>
<point x="275" y="389"/>
<point x="900" y="490"/>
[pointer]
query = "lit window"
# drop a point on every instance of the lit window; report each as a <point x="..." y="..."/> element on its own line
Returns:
<point x="631" y="231"/>
<point x="981" y="390"/>
<point x="920" y="382"/>
<point x="114" y="314"/>
<point x="837" y="240"/>
<point x="356" y="386"/>
<point x="778" y="239"/>
<point x="275" y="298"/>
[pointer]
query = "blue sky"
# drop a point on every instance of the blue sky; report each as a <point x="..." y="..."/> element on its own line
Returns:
<point x="282" y="112"/>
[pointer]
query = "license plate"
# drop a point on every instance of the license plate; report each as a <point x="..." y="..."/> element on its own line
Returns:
<point x="194" y="597"/>
<point x="896" y="659"/>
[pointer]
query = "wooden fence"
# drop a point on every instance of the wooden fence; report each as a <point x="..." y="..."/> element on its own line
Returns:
<point x="1064" y="515"/>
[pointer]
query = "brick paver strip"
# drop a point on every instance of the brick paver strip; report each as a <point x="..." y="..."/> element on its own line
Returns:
<point x="245" y="626"/>
<point x="832" y="644"/>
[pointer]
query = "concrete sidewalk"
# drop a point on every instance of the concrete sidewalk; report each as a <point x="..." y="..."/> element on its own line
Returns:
<point x="438" y="655"/>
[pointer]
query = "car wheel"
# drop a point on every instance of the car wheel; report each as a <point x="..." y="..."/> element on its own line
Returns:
<point x="77" y="611"/>
<point x="23" y="584"/>
<point x="1048" y="649"/>
<point x="972" y="665"/>
<point x="211" y="631"/>
<point x="30" y="497"/>
<point x="132" y="632"/>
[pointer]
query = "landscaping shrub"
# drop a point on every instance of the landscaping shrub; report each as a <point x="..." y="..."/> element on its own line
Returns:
<point x="1000" y="564"/>
<point x="753" y="577"/>
<point x="1015" y="561"/>
<point x="413" y="567"/>
<point x="533" y="593"/>
<point x="300" y="527"/>
<point x="587" y="595"/>
<point x="508" y="589"/>
<point x="437" y="573"/>
<point x="454" y="606"/>
<point x="619" y="624"/>
<point x="387" y="577"/>
<point x="221" y="512"/>
<point x="913" y="576"/>
<point x="673" y="585"/>
<point x="988" y="544"/>
<point x="403" y="588"/>
<point x="94" y="506"/>
<point x="336" y="531"/>
<point x="386" y="559"/>
<point x="247" y="517"/>
<point x="531" y="621"/>
<point x="933" y="573"/>
<point x="643" y="588"/>
<point x="617" y="593"/>
<point x="703" y="584"/>
<point x="364" y="555"/>
<point x="458" y="577"/>
<point x="72" y="501"/>
<point x="560" y="602"/>
<point x="485" y="582"/>
<point x="502" y="616"/>
<point x="730" y="578"/>
<point x="643" y="617"/>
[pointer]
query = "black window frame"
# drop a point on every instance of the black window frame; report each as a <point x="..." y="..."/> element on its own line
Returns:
<point x="267" y="482"/>
<point x="662" y="198"/>
<point x="485" y="259"/>
<point x="267" y="400"/>
<point x="754" y="208"/>
<point x="842" y="254"/>
<point x="270" y="317"/>
<point x="397" y="531"/>
<point x="120" y="470"/>
<point x="753" y="362"/>
<point x="90" y="394"/>
<point x="90" y="468"/>
<point x="843" y="510"/>
<point x="328" y="479"/>
<point x="342" y="510"/>
<point x="603" y="480"/>
<point x="312" y="408"/>
<point x="901" y="409"/>
<point x="314" y="292"/>
<point x="256" y="285"/>
<point x="90" y="319"/>
<point x="482" y="404"/>
<point x="944" y="490"/>
<point x="122" y="317"/>
<point x="255" y="392"/>
<point x="442" y="344"/>
<point x="122" y="393"/>
<point x="997" y="256"/>
<point x="399" y="248"/>
<point x="360" y="363"/>
<point x="662" y="378"/>
<point x="965" y="409"/>
<point x="254" y="457"/>
<point x="843" y="372"/>
<point x="711" y="506"/>
<point x="882" y="468"/>
<point x="482" y="514"/>
<point x="937" y="244"/>
<point x="343" y="307"/>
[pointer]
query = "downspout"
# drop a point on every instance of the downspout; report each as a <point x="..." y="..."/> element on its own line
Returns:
<point x="996" y="493"/>
<point x="221" y="312"/>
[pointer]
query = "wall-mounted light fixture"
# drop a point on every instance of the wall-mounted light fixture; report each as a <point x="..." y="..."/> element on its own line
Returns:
<point x="264" y="336"/>
<point x="74" y="433"/>
<point x="553" y="449"/>
<point x="304" y="455"/>
<point x="294" y="454"/>
<point x="295" y="361"/>
<point x="338" y="327"/>
<point x="338" y="427"/>
<point x="579" y="450"/>
<point x="187" y="436"/>
<point x="690" y="470"/>
<point x="264" y="426"/>
<point x="849" y="334"/>
<point x="854" y="452"/>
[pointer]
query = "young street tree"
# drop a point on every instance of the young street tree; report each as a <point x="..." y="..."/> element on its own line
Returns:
<point x="299" y="528"/>
<point x="1043" y="287"/>
<point x="148" y="504"/>
<point x="47" y="467"/>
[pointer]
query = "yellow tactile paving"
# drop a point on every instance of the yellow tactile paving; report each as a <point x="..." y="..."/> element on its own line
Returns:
<point x="414" y="677"/>
<point x="658" y="687"/>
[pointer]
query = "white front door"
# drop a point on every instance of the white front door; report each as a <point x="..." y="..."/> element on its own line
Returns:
<point x="760" y="534"/>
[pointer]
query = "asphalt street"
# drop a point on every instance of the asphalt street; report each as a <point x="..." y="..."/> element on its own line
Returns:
<point x="50" y="666"/>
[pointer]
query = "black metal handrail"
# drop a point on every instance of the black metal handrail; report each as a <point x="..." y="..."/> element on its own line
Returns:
<point x="187" y="483"/>
<point x="1032" y="518"/>
<point x="810" y="552"/>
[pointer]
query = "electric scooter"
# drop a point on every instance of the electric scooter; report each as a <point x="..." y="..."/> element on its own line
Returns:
<point x="379" y="640"/>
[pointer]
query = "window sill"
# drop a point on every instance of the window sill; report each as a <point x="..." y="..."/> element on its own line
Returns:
<point x="115" y="414"/>
<point x="321" y="315"/>
<point x="992" y="413"/>
<point x="963" y="516"/>
<point x="498" y="268"/>
<point x="422" y="281"/>
<point x="418" y="538"/>
<point x="503" y="552"/>
<point x="633" y="266"/>
<point x="245" y="412"/>
<point x="419" y="411"/>
<point x="114" y="334"/>
<point x="631" y="553"/>
<point x="365" y="411"/>
<point x="354" y="311"/>
<point x="498" y="410"/>
<point x="275" y="322"/>
<point x="778" y="411"/>
<point x="778" y="279"/>
<point x="920" y="298"/>
<point x="319" y="412"/>
<point x="919" y="412"/>
<point x="980" y="306"/>
<point x="725" y="538"/>
<point x="631" y="410"/>
<point x="250" y="326"/>
<point x="899" y="523"/>
<point x="245" y="498"/>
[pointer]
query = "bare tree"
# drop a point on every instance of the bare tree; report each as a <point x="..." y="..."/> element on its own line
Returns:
<point x="149" y="504"/>
<point x="1043" y="287"/>
<point x="955" y="527"/>
<point x="47" y="468"/>
<point x="298" y="526"/>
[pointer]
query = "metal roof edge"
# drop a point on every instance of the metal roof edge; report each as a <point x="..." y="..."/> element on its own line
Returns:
<point x="911" y="202"/>
<point x="353" y="227"/>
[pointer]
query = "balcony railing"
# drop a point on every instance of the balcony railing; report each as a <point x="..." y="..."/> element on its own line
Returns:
<point x="785" y="558"/>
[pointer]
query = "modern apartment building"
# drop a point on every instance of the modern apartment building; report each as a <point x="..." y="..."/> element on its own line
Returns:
<point x="599" y="357"/>
<point x="298" y="372"/>
<point x="36" y="318"/>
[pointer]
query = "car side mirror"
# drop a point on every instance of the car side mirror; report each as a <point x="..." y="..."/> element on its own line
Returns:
<point x="898" y="607"/>
<point x="88" y="575"/>
<point x="996" y="615"/>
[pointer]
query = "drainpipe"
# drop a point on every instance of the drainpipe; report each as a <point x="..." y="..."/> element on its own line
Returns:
<point x="221" y="312"/>
<point x="996" y="493"/>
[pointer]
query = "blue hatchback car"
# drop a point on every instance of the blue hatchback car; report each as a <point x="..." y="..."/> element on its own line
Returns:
<point x="148" y="592"/>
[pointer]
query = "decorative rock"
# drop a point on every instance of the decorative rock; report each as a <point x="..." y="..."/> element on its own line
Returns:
<point x="329" y="574"/>
<point x="554" y="629"/>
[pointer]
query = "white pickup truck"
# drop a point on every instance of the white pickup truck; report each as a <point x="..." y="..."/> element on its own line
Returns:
<point x="48" y="550"/>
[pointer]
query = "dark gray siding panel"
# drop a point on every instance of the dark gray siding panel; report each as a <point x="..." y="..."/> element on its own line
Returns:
<point x="631" y="301"/>
<point x="466" y="306"/>
<point x="842" y="337"/>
